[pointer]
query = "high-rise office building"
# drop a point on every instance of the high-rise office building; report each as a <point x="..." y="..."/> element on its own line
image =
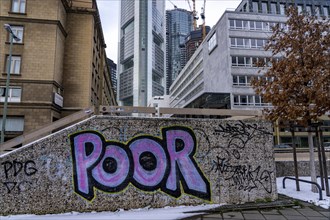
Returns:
<point x="113" y="74"/>
<point x="193" y="40"/>
<point x="58" y="66"/>
<point x="179" y="23"/>
<point x="141" y="62"/>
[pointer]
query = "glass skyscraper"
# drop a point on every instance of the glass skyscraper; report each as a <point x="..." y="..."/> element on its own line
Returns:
<point x="179" y="23"/>
<point x="141" y="62"/>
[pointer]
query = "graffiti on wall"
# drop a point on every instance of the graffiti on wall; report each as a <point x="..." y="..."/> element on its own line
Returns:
<point x="243" y="176"/>
<point x="12" y="169"/>
<point x="149" y="163"/>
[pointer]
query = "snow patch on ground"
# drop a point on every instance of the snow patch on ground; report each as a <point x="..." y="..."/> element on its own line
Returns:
<point x="166" y="213"/>
<point x="305" y="193"/>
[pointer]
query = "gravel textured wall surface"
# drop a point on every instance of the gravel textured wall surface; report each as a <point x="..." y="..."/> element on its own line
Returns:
<point x="107" y="163"/>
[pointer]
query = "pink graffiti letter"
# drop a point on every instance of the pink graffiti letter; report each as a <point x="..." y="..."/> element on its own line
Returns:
<point x="86" y="151"/>
<point x="181" y="145"/>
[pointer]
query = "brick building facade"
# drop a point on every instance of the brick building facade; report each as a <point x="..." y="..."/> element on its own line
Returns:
<point x="58" y="67"/>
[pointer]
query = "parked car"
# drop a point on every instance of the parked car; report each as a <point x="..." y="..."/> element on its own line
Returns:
<point x="327" y="146"/>
<point x="282" y="146"/>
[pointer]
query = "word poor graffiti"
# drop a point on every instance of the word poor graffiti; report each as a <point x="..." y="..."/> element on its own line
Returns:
<point x="149" y="163"/>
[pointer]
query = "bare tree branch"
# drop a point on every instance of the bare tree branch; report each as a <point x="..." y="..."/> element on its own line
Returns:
<point x="300" y="85"/>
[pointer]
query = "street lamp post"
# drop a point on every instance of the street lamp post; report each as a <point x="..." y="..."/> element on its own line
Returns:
<point x="12" y="36"/>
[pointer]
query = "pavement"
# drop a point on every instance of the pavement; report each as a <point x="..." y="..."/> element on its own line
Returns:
<point x="285" y="208"/>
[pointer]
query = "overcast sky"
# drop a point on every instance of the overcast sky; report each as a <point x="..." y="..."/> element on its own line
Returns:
<point x="109" y="11"/>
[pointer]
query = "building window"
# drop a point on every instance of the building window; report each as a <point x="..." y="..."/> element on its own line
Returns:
<point x="18" y="6"/>
<point x="309" y="9"/>
<point x="258" y="25"/>
<point x="255" y="6"/>
<point x="317" y="11"/>
<point x="233" y="42"/>
<point x="282" y="9"/>
<point x="212" y="42"/>
<point x="264" y="7"/>
<point x="18" y="31"/>
<point x="326" y="11"/>
<point x="300" y="9"/>
<point x="241" y="80"/>
<point x="247" y="43"/>
<point x="242" y="61"/>
<point x="252" y="100"/>
<point x="254" y="43"/>
<point x="257" y="100"/>
<point x="246" y="25"/>
<point x="251" y="25"/>
<point x="129" y="28"/>
<point x="245" y="8"/>
<point x="273" y="8"/>
<point x="235" y="80"/>
<point x="239" y="42"/>
<point x="243" y="100"/>
<point x="250" y="61"/>
<point x="260" y="43"/>
<point x="14" y="94"/>
<point x="14" y="124"/>
<point x="15" y="65"/>
<point x="232" y="24"/>
<point x="239" y="24"/>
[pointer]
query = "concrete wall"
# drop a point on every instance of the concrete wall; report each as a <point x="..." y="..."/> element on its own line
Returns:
<point x="286" y="168"/>
<point x="107" y="163"/>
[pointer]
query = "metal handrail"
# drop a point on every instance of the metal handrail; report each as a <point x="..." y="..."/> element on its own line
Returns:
<point x="220" y="112"/>
<point x="177" y="111"/>
<point x="126" y="109"/>
<point x="34" y="135"/>
<point x="305" y="181"/>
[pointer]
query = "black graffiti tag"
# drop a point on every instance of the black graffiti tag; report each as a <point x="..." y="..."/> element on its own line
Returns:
<point x="14" y="168"/>
<point x="20" y="186"/>
<point x="240" y="129"/>
<point x="243" y="176"/>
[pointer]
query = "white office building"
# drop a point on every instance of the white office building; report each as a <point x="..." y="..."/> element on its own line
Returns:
<point x="219" y="73"/>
